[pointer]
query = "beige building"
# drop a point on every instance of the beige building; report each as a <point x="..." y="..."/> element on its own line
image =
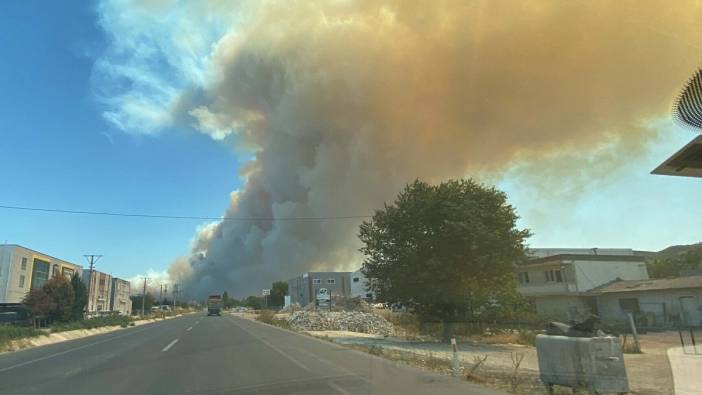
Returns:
<point x="119" y="297"/>
<point x="22" y="269"/>
<point x="100" y="290"/>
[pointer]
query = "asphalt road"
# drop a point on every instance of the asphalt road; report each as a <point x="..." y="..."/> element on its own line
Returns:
<point x="196" y="354"/>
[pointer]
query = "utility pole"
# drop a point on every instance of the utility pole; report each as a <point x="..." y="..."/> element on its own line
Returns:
<point x="160" y="295"/>
<point x="92" y="259"/>
<point x="175" y="291"/>
<point x="143" y="296"/>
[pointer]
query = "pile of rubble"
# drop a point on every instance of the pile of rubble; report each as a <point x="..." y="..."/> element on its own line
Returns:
<point x="352" y="321"/>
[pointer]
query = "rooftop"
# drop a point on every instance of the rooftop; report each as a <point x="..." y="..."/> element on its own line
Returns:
<point x="649" y="285"/>
<point x="40" y="253"/>
<point x="584" y="257"/>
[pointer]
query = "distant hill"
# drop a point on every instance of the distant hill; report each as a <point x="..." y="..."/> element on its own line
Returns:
<point x="671" y="252"/>
<point x="674" y="260"/>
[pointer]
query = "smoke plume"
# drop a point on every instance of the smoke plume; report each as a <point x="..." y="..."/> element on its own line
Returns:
<point x="341" y="103"/>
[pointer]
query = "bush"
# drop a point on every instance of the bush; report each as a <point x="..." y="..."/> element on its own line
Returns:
<point x="266" y="316"/>
<point x="110" y="320"/>
<point x="11" y="332"/>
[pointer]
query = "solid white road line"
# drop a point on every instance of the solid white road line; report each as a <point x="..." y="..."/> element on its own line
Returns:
<point x="189" y="329"/>
<point x="272" y="347"/>
<point x="337" y="388"/>
<point x="168" y="347"/>
<point x="74" y="349"/>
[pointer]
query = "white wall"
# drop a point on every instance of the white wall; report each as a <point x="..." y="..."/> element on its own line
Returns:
<point x="5" y="256"/>
<point x="562" y="307"/>
<point x="359" y="288"/>
<point x="649" y="301"/>
<point x="591" y="274"/>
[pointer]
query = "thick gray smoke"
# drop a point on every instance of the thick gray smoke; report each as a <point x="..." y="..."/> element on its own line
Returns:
<point x="343" y="102"/>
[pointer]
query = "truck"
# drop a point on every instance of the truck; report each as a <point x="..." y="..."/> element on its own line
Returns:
<point x="214" y="305"/>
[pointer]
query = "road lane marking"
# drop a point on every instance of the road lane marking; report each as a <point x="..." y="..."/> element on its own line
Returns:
<point x="171" y="344"/>
<point x="327" y="362"/>
<point x="72" y="349"/>
<point x="272" y="347"/>
<point x="337" y="388"/>
<point x="189" y="329"/>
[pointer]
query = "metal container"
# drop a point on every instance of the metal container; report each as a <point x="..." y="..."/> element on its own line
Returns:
<point x="595" y="364"/>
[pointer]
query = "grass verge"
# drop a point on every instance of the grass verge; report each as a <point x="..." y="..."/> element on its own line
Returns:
<point x="115" y="320"/>
<point x="8" y="333"/>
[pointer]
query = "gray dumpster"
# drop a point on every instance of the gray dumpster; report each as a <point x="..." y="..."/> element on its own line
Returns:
<point x="595" y="364"/>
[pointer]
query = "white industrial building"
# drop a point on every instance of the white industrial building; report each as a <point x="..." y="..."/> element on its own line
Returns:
<point x="22" y="269"/>
<point x="360" y="286"/>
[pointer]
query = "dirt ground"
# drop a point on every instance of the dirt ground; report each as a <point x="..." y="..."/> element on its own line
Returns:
<point x="648" y="372"/>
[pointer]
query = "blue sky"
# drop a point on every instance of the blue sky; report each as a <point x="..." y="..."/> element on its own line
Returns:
<point x="59" y="151"/>
<point x="55" y="152"/>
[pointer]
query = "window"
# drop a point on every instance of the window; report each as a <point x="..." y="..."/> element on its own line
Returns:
<point x="331" y="281"/>
<point x="549" y="275"/>
<point x="553" y="275"/>
<point x="21" y="281"/>
<point x="356" y="279"/>
<point x="523" y="277"/>
<point x="629" y="305"/>
<point x="316" y="281"/>
<point x="40" y="273"/>
<point x="24" y="264"/>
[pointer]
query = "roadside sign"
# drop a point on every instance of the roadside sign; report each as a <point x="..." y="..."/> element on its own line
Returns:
<point x="323" y="298"/>
<point x="266" y="292"/>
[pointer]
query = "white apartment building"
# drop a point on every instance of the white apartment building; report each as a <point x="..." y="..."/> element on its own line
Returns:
<point x="22" y="269"/>
<point x="119" y="297"/>
<point x="557" y="281"/>
<point x="100" y="290"/>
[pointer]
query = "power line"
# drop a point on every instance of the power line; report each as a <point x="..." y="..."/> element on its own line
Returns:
<point x="187" y="217"/>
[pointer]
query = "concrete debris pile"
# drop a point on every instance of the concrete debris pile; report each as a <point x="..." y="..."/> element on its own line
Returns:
<point x="352" y="321"/>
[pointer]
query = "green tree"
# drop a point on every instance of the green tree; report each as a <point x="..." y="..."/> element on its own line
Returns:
<point x="61" y="293"/>
<point x="38" y="303"/>
<point x="690" y="260"/>
<point x="278" y="291"/>
<point x="254" y="302"/>
<point x="445" y="251"/>
<point x="80" y="297"/>
<point x="54" y="300"/>
<point x="149" y="301"/>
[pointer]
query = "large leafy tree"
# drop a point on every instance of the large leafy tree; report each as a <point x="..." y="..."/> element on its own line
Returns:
<point x="61" y="293"/>
<point x="80" y="297"/>
<point x="38" y="303"/>
<point x="149" y="301"/>
<point x="54" y="300"/>
<point x="446" y="251"/>
<point x="278" y="291"/>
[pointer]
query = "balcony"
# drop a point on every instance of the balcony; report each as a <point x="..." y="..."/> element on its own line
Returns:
<point x="549" y="288"/>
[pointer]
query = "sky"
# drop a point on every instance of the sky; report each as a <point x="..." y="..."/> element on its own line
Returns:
<point x="58" y="152"/>
<point x="87" y="122"/>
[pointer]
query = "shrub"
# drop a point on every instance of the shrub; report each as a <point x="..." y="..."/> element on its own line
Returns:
<point x="266" y="316"/>
<point x="12" y="332"/>
<point x="97" y="322"/>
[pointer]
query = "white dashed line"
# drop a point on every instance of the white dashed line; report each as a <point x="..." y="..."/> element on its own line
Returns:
<point x="189" y="329"/>
<point x="168" y="347"/>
